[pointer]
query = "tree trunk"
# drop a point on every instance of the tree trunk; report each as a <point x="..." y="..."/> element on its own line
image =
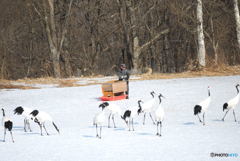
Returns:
<point x="55" y="38"/>
<point x="153" y="64"/>
<point x="3" y="68"/>
<point x="67" y="63"/>
<point x="170" y="66"/>
<point x="200" y="35"/>
<point x="52" y="37"/>
<point x="237" y="19"/>
<point x="4" y="59"/>
<point x="124" y="14"/>
<point x="136" y="54"/>
<point x="56" y="63"/>
<point x="136" y="46"/>
<point x="214" y="42"/>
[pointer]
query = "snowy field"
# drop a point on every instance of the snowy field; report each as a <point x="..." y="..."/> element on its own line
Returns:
<point x="183" y="137"/>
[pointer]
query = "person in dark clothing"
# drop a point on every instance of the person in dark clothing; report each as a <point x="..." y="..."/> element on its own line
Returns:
<point x="123" y="75"/>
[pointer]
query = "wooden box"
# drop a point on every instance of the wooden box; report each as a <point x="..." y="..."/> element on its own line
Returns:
<point x="114" y="88"/>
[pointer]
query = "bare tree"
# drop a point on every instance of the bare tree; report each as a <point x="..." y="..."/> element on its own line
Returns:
<point x="55" y="35"/>
<point x="124" y="15"/>
<point x="200" y="35"/>
<point x="237" y="19"/>
<point x="132" y="9"/>
<point x="212" y="37"/>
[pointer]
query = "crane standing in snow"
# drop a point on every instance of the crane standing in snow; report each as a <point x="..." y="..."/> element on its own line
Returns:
<point x="8" y="125"/>
<point x="41" y="118"/>
<point x="130" y="114"/>
<point x="99" y="119"/>
<point x="159" y="113"/>
<point x="202" y="107"/>
<point x="114" y="109"/>
<point x="148" y="107"/>
<point x="231" y="104"/>
<point x="25" y="112"/>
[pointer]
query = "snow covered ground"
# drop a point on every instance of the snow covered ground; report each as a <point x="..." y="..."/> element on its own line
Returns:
<point x="183" y="137"/>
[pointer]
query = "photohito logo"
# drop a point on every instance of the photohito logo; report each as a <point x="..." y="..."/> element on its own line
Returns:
<point x="235" y="155"/>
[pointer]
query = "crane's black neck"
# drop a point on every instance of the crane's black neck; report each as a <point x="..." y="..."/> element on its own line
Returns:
<point x="237" y="88"/>
<point x="139" y="104"/>
<point x="3" y="112"/>
<point x="140" y="107"/>
<point x="209" y="94"/>
<point x="160" y="100"/>
<point x="152" y="93"/>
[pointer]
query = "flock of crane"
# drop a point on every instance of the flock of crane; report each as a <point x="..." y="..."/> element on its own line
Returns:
<point x="154" y="106"/>
<point x="202" y="107"/>
<point x="37" y="116"/>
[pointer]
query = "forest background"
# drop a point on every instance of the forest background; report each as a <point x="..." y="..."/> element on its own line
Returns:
<point x="72" y="38"/>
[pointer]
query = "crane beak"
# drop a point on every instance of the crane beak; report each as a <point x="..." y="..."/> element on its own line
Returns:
<point x="160" y="95"/>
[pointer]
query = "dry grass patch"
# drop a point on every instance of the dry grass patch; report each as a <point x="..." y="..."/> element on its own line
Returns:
<point x="68" y="83"/>
<point x="46" y="80"/>
<point x="210" y="71"/>
<point x="11" y="86"/>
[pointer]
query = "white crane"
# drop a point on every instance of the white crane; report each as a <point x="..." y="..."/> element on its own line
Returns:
<point x="8" y="125"/>
<point x="159" y="114"/>
<point x="130" y="114"/>
<point x="202" y="107"/>
<point x="148" y="107"/>
<point x="99" y="119"/>
<point x="25" y="112"/>
<point x="231" y="104"/>
<point x="41" y="118"/>
<point x="113" y="109"/>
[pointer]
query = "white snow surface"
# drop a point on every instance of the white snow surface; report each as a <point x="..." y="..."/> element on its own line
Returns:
<point x="184" y="138"/>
